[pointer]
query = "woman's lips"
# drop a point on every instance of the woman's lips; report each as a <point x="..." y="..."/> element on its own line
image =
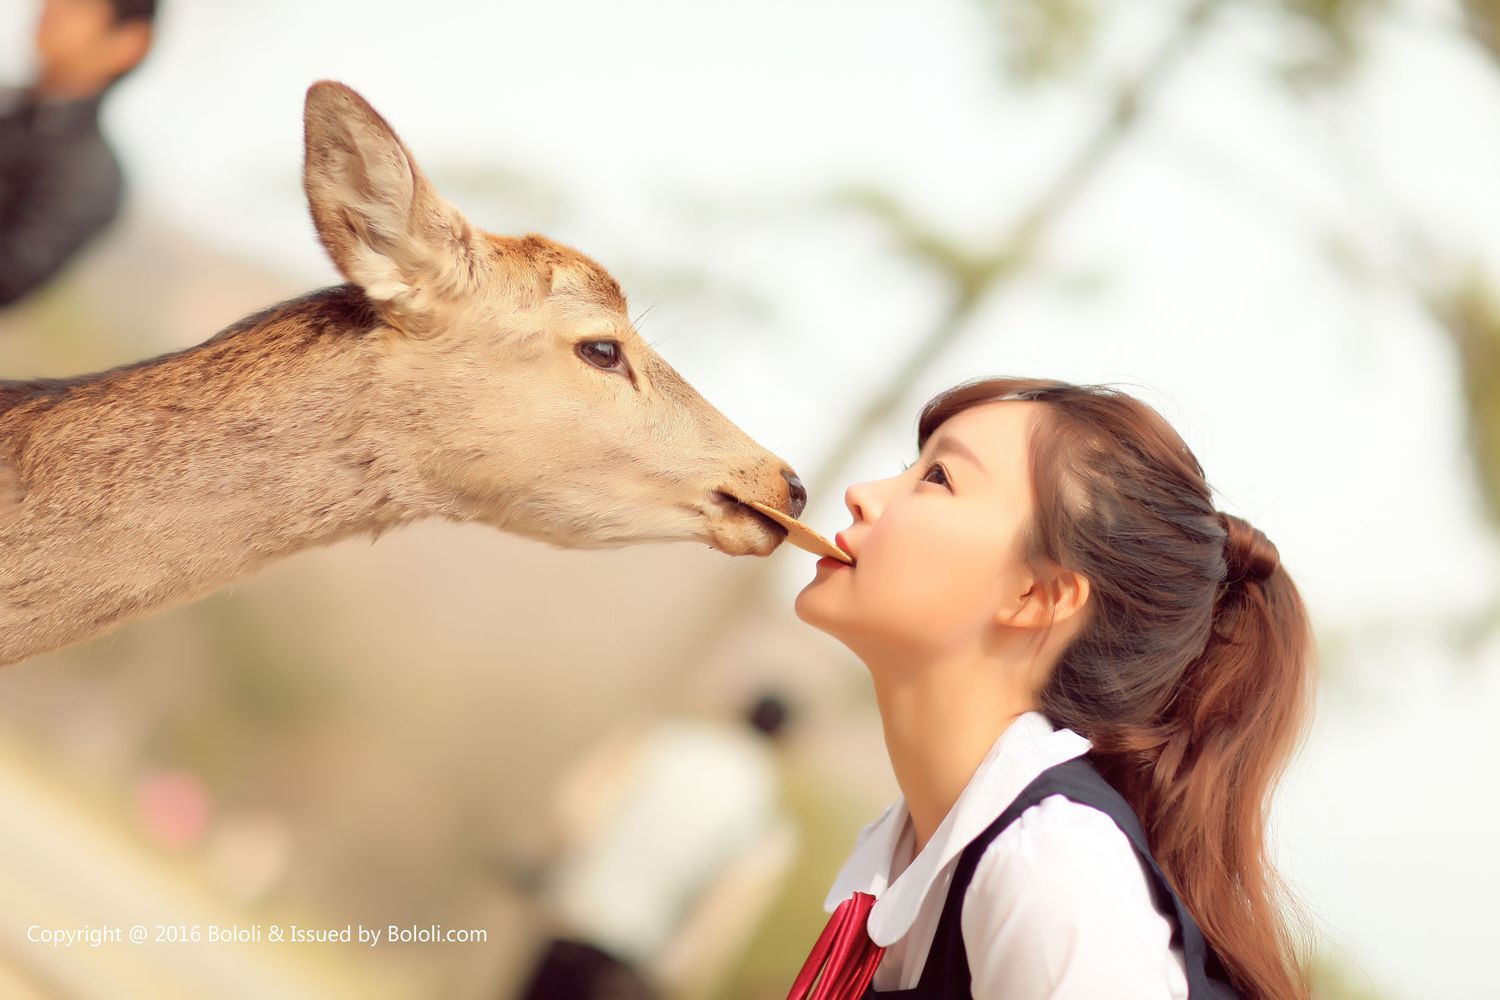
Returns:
<point x="843" y="544"/>
<point x="840" y="541"/>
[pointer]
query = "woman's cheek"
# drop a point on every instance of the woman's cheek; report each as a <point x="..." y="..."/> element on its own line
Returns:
<point x="904" y="592"/>
<point x="947" y="585"/>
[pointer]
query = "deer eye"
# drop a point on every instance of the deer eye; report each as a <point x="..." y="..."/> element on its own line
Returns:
<point x="603" y="354"/>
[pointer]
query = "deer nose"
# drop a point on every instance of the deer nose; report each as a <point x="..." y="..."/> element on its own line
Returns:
<point x="796" y="493"/>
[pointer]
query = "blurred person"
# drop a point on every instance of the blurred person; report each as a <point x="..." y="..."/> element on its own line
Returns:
<point x="60" y="183"/>
<point x="1089" y="679"/>
<point x="671" y="845"/>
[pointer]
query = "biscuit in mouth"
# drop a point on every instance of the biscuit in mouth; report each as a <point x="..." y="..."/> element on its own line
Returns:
<point x="800" y="534"/>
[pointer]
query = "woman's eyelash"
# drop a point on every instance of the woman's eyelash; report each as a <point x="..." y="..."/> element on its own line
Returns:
<point x="930" y="467"/>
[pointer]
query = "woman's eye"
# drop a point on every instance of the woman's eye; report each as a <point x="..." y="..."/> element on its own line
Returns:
<point x="931" y="467"/>
<point x="604" y="354"/>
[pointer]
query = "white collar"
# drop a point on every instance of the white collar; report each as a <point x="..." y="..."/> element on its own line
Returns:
<point x="1027" y="747"/>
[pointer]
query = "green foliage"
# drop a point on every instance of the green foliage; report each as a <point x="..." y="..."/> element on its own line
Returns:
<point x="1482" y="17"/>
<point x="1042" y="40"/>
<point x="1331" y="33"/>
<point x="1047" y="40"/>
<point x="970" y="271"/>
<point x="1333" y="981"/>
<point x="1469" y="309"/>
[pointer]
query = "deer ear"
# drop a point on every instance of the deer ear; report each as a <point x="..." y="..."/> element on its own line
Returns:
<point x="379" y="218"/>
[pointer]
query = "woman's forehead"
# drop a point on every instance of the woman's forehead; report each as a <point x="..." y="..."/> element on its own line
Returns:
<point x="997" y="429"/>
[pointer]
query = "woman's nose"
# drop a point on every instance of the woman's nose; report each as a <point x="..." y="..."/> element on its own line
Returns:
<point x="856" y="500"/>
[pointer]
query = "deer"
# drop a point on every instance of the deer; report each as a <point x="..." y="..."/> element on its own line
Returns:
<point x="455" y="374"/>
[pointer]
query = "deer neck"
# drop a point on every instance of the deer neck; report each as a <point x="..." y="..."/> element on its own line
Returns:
<point x="146" y="486"/>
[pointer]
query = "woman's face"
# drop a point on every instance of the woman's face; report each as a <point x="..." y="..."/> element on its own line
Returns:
<point x="936" y="547"/>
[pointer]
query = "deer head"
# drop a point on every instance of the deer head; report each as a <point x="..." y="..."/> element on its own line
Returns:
<point x="511" y="365"/>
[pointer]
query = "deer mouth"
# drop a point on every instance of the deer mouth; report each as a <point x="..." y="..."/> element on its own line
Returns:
<point x="734" y="506"/>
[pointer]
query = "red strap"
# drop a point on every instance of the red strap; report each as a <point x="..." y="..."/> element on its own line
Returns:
<point x="844" y="954"/>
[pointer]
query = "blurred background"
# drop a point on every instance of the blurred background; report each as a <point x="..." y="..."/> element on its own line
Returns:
<point x="1275" y="220"/>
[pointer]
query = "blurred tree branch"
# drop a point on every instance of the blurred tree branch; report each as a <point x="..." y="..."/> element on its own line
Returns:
<point x="974" y="276"/>
<point x="1482" y="18"/>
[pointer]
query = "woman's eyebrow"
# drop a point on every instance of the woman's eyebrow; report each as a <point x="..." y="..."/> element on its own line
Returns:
<point x="949" y="443"/>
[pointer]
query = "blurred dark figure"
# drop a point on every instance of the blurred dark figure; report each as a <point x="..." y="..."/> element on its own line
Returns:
<point x="60" y="183"/>
<point x="678" y="848"/>
<point x="577" y="970"/>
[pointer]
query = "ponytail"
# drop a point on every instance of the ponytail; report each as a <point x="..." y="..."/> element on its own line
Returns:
<point x="1201" y="778"/>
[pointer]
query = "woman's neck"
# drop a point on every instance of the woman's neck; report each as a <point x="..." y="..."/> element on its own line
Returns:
<point x="940" y="721"/>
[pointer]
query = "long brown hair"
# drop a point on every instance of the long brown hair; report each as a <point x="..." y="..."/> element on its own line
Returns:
<point x="1193" y="675"/>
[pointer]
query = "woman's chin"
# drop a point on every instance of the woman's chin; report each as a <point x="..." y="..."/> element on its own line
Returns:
<point x="805" y="607"/>
<point x="813" y="609"/>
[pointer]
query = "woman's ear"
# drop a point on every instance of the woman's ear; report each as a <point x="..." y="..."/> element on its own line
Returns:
<point x="1046" y="602"/>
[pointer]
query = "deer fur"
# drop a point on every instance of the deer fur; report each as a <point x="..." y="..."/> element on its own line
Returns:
<point x="458" y="374"/>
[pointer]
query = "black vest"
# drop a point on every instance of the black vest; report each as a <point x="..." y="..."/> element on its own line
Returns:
<point x="945" y="975"/>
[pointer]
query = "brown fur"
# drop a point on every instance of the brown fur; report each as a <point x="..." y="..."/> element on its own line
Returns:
<point x="443" y="380"/>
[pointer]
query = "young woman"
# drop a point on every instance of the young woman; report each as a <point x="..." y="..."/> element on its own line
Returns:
<point x="1089" y="681"/>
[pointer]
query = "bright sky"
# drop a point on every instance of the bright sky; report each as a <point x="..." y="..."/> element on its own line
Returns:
<point x="680" y="136"/>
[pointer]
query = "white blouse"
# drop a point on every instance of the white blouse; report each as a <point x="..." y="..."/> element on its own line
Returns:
<point x="1060" y="905"/>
